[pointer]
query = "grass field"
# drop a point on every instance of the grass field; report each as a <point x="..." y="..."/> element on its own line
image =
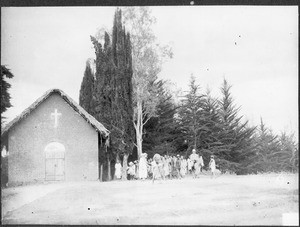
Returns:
<point x="224" y="200"/>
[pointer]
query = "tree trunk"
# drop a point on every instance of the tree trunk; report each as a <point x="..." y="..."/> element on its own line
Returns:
<point x="139" y="129"/>
<point x="101" y="172"/>
<point x="124" y="168"/>
<point x="108" y="169"/>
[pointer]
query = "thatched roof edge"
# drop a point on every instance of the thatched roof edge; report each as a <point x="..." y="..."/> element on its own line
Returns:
<point x="89" y="118"/>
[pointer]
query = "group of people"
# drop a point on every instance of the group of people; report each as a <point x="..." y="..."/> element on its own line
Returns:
<point x="165" y="167"/>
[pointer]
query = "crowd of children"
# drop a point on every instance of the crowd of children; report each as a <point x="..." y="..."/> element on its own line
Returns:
<point x="165" y="167"/>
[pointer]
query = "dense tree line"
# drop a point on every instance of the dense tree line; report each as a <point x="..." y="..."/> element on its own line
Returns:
<point x="214" y="126"/>
<point x="273" y="153"/>
<point x="124" y="93"/>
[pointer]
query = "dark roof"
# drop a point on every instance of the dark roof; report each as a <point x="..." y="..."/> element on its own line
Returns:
<point x="89" y="118"/>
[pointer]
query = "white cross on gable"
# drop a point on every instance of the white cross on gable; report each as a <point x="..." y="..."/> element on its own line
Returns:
<point x="56" y="114"/>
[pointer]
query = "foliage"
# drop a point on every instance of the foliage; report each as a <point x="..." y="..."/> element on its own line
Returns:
<point x="235" y="135"/>
<point x="112" y="102"/>
<point x="87" y="86"/>
<point x="147" y="57"/>
<point x="190" y="114"/>
<point x="213" y="126"/>
<point x="161" y="131"/>
<point x="111" y="99"/>
<point x="289" y="153"/>
<point x="274" y="153"/>
<point x="127" y="95"/>
<point x="5" y="96"/>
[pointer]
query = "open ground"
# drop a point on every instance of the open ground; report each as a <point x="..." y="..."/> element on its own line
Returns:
<point x="224" y="200"/>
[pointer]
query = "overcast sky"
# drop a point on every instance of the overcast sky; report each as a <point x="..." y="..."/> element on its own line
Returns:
<point x="254" y="48"/>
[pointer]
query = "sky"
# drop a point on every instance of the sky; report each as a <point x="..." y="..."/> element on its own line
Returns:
<point x="255" y="48"/>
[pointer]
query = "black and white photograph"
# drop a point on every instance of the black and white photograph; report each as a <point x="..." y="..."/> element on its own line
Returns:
<point x="150" y="115"/>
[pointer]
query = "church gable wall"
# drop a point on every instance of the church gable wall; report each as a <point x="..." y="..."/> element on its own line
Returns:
<point x="28" y="139"/>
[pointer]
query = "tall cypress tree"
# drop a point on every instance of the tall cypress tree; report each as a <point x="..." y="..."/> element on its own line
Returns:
<point x="112" y="99"/>
<point x="101" y="98"/>
<point x="87" y="86"/>
<point x="122" y="101"/>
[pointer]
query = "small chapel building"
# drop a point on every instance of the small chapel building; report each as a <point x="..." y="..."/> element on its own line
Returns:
<point x="54" y="139"/>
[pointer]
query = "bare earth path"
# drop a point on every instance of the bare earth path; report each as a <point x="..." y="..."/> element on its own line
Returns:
<point x="225" y="200"/>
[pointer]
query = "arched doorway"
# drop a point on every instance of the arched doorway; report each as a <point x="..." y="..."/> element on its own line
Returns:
<point x="55" y="162"/>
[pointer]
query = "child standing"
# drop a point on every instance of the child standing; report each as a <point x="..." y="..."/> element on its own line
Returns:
<point x="177" y="166"/>
<point x="131" y="170"/>
<point x="194" y="157"/>
<point x="156" y="167"/>
<point x="118" y="168"/>
<point x="166" y="166"/>
<point x="182" y="166"/>
<point x="143" y="173"/>
<point x="212" y="165"/>
<point x="201" y="163"/>
<point x="197" y="168"/>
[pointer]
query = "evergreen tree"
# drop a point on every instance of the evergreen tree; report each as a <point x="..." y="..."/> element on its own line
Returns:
<point x="190" y="114"/>
<point x="123" y="106"/>
<point x="87" y="85"/>
<point x="199" y="122"/>
<point x="112" y="98"/>
<point x="289" y="153"/>
<point x="5" y="96"/>
<point x="213" y="126"/>
<point x="161" y="131"/>
<point x="210" y="121"/>
<point x="234" y="135"/>
<point x="266" y="144"/>
<point x="274" y="153"/>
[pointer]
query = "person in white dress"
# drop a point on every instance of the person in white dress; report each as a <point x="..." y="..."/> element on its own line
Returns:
<point x="183" y="167"/>
<point x="201" y="162"/>
<point x="166" y="166"/>
<point x="212" y="165"/>
<point x="143" y="167"/>
<point x="197" y="168"/>
<point x="157" y="168"/>
<point x="131" y="170"/>
<point x="194" y="158"/>
<point x="118" y="170"/>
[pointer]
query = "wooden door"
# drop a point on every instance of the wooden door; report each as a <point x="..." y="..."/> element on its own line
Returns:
<point x="55" y="163"/>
